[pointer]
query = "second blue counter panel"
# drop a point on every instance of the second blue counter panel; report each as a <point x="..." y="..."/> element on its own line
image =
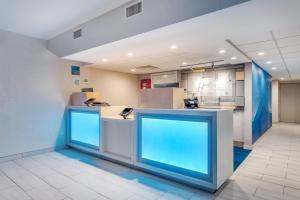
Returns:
<point x="181" y="144"/>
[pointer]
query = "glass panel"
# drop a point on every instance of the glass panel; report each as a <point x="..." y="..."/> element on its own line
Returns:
<point x="85" y="128"/>
<point x="182" y="143"/>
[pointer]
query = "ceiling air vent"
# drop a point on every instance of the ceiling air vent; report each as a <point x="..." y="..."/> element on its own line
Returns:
<point x="146" y="67"/>
<point x="133" y="9"/>
<point x="77" y="34"/>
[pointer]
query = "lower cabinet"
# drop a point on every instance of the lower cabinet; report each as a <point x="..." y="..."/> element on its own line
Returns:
<point x="84" y="128"/>
<point x="117" y="139"/>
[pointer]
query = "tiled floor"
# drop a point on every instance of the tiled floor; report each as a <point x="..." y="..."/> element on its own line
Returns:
<point x="271" y="171"/>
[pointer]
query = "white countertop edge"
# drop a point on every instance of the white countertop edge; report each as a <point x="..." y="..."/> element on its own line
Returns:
<point x="199" y="110"/>
<point x="117" y="119"/>
<point x="85" y="108"/>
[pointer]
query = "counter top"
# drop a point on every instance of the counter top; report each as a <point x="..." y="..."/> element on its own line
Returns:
<point x="85" y="108"/>
<point x="217" y="109"/>
<point x="221" y="107"/>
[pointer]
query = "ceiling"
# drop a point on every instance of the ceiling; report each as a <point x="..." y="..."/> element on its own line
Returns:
<point x="269" y="26"/>
<point x="45" y="19"/>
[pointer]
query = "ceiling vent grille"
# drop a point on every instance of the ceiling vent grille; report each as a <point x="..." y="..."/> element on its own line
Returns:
<point x="146" y="67"/>
<point x="134" y="9"/>
<point x="77" y="34"/>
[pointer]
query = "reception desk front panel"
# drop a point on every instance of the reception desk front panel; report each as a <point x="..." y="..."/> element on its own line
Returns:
<point x="178" y="143"/>
<point x="194" y="147"/>
<point x="85" y="128"/>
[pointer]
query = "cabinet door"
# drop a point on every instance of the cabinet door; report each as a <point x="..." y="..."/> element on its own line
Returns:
<point x="85" y="128"/>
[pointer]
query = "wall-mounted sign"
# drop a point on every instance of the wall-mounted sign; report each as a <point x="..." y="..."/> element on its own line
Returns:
<point x="75" y="70"/>
<point x="145" y="84"/>
<point x="77" y="82"/>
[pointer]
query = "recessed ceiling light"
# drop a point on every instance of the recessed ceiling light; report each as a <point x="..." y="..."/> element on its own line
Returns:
<point x="269" y="62"/>
<point x="282" y="78"/>
<point x="261" y="53"/>
<point x="184" y="63"/>
<point x="233" y="58"/>
<point x="222" y="51"/>
<point x="104" y="60"/>
<point x="130" y="54"/>
<point x="274" y="68"/>
<point x="173" y="47"/>
<point x="133" y="70"/>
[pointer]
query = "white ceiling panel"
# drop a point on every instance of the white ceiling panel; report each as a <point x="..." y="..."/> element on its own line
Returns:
<point x="259" y="46"/>
<point x="290" y="49"/>
<point x="267" y="53"/>
<point x="288" y="31"/>
<point x="292" y="56"/>
<point x="289" y="41"/>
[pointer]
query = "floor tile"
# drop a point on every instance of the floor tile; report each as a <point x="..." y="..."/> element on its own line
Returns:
<point x="5" y="182"/>
<point x="79" y="192"/>
<point x="28" y="182"/>
<point x="58" y="181"/>
<point x="46" y="193"/>
<point x="13" y="193"/>
<point x="13" y="170"/>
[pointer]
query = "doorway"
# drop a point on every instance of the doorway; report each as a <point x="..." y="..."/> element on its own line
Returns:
<point x="290" y="102"/>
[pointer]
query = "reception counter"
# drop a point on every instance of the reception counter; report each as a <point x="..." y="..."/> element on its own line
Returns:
<point x="194" y="147"/>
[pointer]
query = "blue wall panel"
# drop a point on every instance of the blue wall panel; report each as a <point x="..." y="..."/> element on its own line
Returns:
<point x="176" y="143"/>
<point x="261" y="101"/>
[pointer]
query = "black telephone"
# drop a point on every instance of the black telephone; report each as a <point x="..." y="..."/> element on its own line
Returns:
<point x="93" y="102"/>
<point x="191" y="103"/>
<point x="126" y="112"/>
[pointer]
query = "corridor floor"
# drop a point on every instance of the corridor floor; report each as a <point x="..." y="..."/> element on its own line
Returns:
<point x="270" y="172"/>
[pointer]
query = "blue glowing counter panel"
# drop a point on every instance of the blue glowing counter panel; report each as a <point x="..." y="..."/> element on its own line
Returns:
<point x="176" y="143"/>
<point x="85" y="128"/>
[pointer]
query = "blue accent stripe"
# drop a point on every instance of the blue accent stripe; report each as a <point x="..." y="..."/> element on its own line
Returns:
<point x="261" y="101"/>
<point x="240" y="155"/>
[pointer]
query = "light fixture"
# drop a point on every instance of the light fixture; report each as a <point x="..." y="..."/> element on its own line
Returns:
<point x="269" y="62"/>
<point x="282" y="78"/>
<point x="130" y="54"/>
<point x="173" y="47"/>
<point x="261" y="53"/>
<point x="104" y="60"/>
<point x="222" y="51"/>
<point x="184" y="63"/>
<point x="233" y="58"/>
<point x="165" y="76"/>
<point x="133" y="70"/>
<point x="274" y="68"/>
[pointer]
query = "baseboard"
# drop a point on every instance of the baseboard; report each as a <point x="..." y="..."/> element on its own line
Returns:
<point x="238" y="144"/>
<point x="31" y="153"/>
<point x="248" y="147"/>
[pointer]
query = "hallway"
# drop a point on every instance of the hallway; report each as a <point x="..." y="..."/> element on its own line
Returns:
<point x="271" y="171"/>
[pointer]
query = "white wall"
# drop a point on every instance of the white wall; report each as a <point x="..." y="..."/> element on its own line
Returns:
<point x="248" y="106"/>
<point x="116" y="88"/>
<point x="34" y="88"/>
<point x="275" y="101"/>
